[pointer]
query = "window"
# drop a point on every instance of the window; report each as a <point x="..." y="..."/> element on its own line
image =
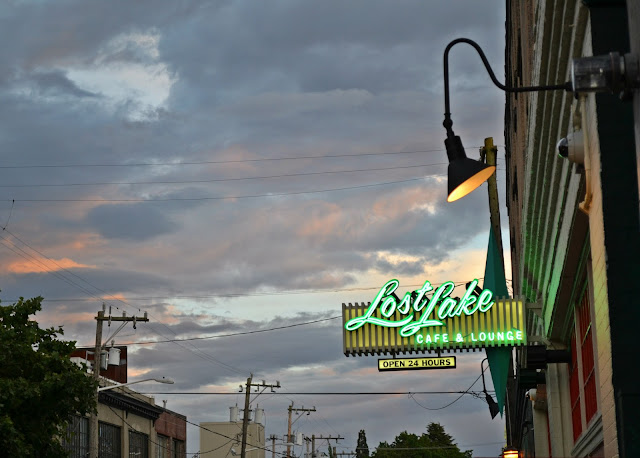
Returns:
<point x="76" y="441"/>
<point x="179" y="450"/>
<point x="109" y="445"/>
<point x="163" y="449"/>
<point x="582" y="379"/>
<point x="138" y="445"/>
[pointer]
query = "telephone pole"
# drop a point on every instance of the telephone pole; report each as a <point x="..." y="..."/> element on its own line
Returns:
<point x="291" y="409"/>
<point x="97" y="358"/>
<point x="273" y="438"/>
<point x="327" y="438"/>
<point x="247" y="400"/>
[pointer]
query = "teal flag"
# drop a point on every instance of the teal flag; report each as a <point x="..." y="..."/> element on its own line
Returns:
<point x="498" y="357"/>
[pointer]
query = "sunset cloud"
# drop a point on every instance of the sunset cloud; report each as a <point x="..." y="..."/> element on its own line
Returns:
<point x="40" y="265"/>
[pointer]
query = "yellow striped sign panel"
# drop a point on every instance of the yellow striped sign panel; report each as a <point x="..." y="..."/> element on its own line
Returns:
<point x="503" y="325"/>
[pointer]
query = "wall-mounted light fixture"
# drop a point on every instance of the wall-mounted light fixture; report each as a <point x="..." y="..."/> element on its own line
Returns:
<point x="606" y="73"/>
<point x="588" y="74"/>
<point x="510" y="453"/>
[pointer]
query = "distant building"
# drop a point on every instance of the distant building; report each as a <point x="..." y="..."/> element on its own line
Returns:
<point x="130" y="424"/>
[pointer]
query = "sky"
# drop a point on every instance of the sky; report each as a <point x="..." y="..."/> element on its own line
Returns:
<point x="238" y="166"/>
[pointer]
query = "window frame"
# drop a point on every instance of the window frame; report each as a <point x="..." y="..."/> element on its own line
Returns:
<point x="138" y="444"/>
<point x="104" y="430"/>
<point x="76" y="440"/>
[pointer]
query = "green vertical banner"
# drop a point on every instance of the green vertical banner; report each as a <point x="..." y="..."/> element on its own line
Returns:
<point x="498" y="357"/>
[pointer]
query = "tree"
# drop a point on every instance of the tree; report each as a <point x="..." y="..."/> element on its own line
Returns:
<point x="435" y="443"/>
<point x="362" y="449"/>
<point x="40" y="388"/>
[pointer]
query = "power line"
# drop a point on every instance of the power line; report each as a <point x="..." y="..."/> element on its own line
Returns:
<point x="233" y="334"/>
<point x="149" y="342"/>
<point x="217" y="180"/>
<point x="198" y="352"/>
<point x="230" y="161"/>
<point x="234" y="295"/>
<point x="319" y="393"/>
<point x="452" y="402"/>
<point x="251" y="196"/>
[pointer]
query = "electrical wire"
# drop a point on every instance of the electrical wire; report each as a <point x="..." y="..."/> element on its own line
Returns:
<point x="452" y="402"/>
<point x="217" y="180"/>
<point x="233" y="295"/>
<point x="250" y="196"/>
<point x="319" y="393"/>
<point x="198" y="352"/>
<point x="230" y="161"/>
<point x="257" y="331"/>
<point x="9" y="217"/>
<point x="235" y="333"/>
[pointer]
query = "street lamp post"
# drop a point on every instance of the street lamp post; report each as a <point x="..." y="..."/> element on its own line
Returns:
<point x="118" y="385"/>
<point x="93" y="419"/>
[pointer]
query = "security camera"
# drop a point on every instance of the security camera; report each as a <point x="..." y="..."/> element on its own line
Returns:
<point x="572" y="147"/>
<point x="563" y="148"/>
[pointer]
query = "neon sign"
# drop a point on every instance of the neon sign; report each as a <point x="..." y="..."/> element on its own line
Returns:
<point x="418" y="323"/>
<point x="449" y="307"/>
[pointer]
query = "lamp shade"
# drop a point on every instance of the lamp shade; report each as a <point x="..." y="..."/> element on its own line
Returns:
<point x="465" y="175"/>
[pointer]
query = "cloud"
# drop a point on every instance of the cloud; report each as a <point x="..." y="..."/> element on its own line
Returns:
<point x="41" y="265"/>
<point x="295" y="153"/>
<point x="130" y="222"/>
<point x="53" y="82"/>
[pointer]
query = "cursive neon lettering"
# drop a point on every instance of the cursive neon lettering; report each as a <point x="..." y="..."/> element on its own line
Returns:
<point x="484" y="301"/>
<point x="384" y="293"/>
<point x="433" y="310"/>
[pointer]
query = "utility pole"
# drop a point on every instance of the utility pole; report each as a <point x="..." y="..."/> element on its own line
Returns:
<point x="245" y="417"/>
<point x="273" y="438"/>
<point x="97" y="359"/>
<point x="327" y="438"/>
<point x="490" y="151"/>
<point x="247" y="399"/>
<point x="291" y="409"/>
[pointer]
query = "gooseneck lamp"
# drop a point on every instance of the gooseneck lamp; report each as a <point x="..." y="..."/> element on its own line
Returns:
<point x="464" y="174"/>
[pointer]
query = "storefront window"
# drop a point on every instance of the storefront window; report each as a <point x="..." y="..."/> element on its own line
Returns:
<point x="163" y="448"/>
<point x="138" y="445"/>
<point x="76" y="442"/>
<point x="179" y="450"/>
<point x="109" y="441"/>
<point x="582" y="369"/>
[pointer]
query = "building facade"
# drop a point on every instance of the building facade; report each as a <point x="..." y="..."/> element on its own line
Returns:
<point x="130" y="424"/>
<point x="574" y="229"/>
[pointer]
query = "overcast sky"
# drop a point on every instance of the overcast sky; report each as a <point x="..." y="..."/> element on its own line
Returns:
<point x="233" y="166"/>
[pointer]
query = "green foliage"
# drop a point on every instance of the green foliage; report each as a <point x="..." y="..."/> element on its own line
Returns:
<point x="40" y="388"/>
<point x="362" y="449"/>
<point x="435" y="443"/>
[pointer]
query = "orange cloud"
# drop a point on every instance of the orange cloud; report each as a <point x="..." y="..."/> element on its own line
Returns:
<point x="39" y="265"/>
<point x="133" y="372"/>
